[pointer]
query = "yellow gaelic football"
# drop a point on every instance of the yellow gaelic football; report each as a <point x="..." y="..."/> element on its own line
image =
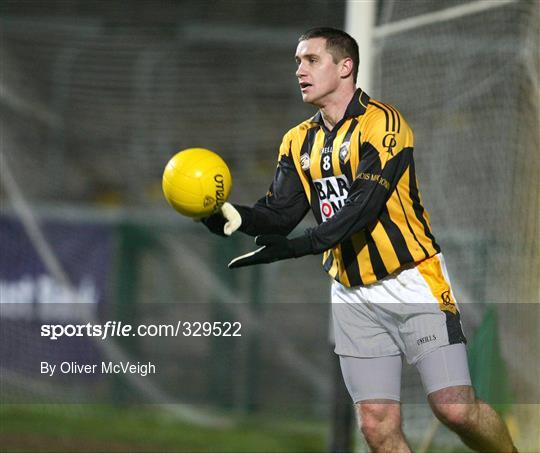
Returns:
<point x="196" y="182"/>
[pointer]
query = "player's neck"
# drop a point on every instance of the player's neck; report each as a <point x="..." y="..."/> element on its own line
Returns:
<point x="333" y="109"/>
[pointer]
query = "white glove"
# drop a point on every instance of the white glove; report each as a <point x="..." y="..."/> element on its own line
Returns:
<point x="234" y="220"/>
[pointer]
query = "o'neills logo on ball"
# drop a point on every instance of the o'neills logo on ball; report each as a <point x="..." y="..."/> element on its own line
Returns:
<point x="220" y="189"/>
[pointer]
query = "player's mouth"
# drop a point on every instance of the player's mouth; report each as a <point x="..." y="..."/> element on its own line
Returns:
<point x="304" y="86"/>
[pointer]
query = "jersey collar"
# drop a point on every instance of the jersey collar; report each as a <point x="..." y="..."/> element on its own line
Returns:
<point x="356" y="107"/>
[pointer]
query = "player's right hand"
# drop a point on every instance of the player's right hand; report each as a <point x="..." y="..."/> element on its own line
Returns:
<point x="224" y="222"/>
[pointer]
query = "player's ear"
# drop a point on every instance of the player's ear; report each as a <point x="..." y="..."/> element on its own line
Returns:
<point x="346" y="67"/>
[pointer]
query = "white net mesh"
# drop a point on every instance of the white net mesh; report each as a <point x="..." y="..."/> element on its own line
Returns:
<point x="465" y="75"/>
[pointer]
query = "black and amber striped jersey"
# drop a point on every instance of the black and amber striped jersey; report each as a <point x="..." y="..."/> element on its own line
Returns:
<point x="359" y="181"/>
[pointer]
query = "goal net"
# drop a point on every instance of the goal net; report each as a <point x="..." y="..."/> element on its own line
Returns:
<point x="465" y="75"/>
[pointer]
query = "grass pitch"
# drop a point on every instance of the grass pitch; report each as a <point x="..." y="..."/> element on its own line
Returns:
<point x="103" y="428"/>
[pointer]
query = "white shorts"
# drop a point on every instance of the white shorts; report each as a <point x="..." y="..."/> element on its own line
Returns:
<point x="411" y="312"/>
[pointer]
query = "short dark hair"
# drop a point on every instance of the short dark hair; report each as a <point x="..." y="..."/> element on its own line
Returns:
<point x="338" y="43"/>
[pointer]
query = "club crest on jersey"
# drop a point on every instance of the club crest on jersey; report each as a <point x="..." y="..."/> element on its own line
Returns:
<point x="389" y="142"/>
<point x="305" y="161"/>
<point x="344" y="152"/>
<point x="332" y="194"/>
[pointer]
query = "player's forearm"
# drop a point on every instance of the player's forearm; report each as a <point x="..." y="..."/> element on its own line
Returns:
<point x="261" y="219"/>
<point x="349" y="221"/>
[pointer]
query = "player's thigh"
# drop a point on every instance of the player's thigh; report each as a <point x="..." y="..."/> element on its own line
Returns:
<point x="372" y="378"/>
<point x="357" y="330"/>
<point x="446" y="368"/>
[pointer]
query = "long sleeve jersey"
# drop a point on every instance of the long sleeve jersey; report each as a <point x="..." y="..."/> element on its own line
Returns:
<point x="359" y="181"/>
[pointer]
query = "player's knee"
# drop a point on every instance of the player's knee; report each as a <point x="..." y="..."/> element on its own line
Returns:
<point x="377" y="421"/>
<point x="458" y="416"/>
<point x="456" y="407"/>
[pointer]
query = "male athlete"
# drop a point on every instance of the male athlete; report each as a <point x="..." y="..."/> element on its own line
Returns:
<point x="352" y="164"/>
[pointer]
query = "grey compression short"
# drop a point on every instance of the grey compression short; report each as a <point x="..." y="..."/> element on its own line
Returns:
<point x="380" y="377"/>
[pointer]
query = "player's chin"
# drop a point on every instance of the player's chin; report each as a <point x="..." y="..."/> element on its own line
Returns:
<point x="307" y="98"/>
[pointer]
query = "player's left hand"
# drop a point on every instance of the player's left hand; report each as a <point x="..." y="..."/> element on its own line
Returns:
<point x="224" y="222"/>
<point x="274" y="248"/>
